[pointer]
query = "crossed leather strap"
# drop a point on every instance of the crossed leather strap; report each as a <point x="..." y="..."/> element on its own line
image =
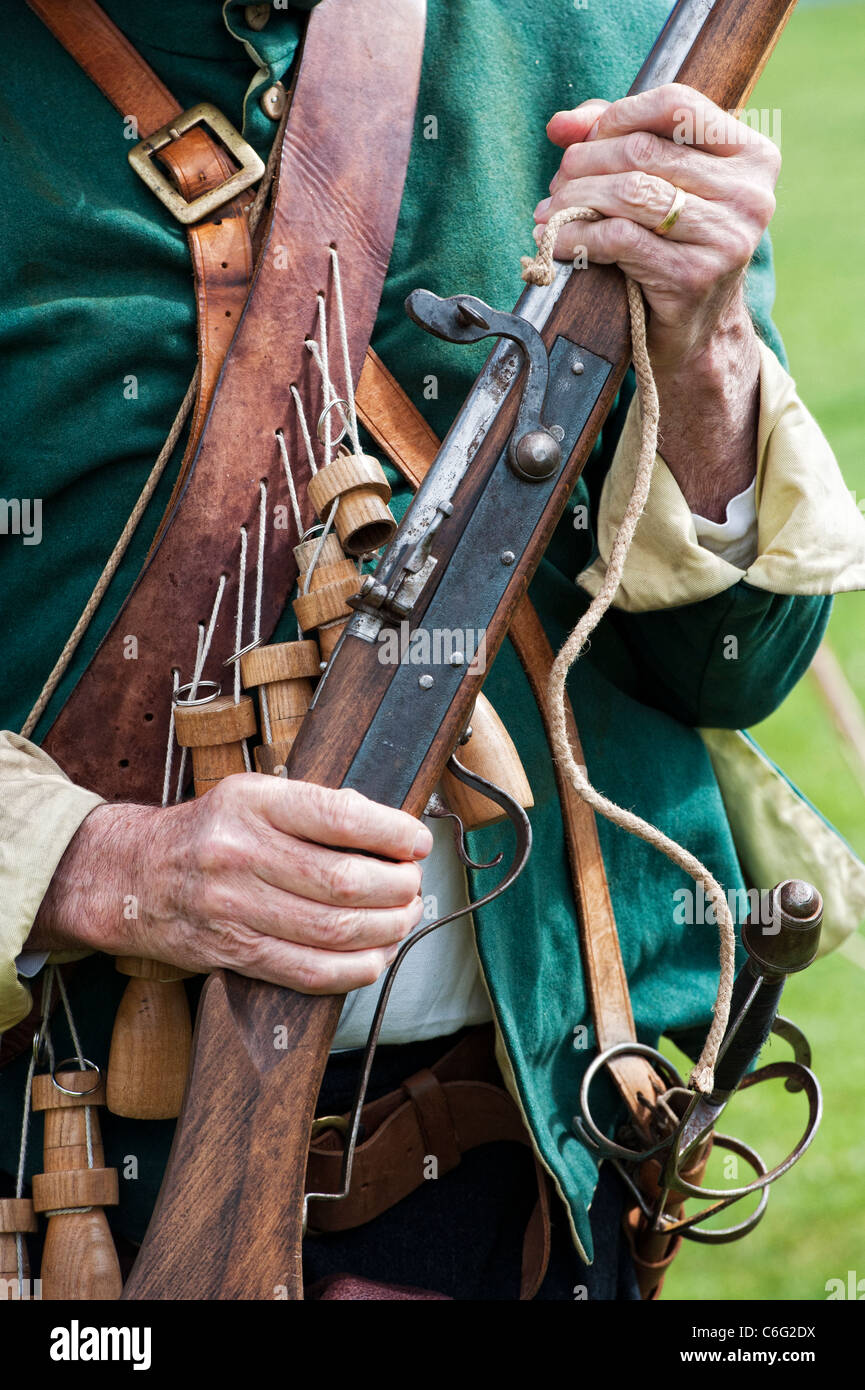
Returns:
<point x="446" y="1109"/>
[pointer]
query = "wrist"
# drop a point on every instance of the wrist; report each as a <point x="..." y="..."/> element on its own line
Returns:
<point x="92" y="898"/>
<point x="708" y="355"/>
<point x="709" y="393"/>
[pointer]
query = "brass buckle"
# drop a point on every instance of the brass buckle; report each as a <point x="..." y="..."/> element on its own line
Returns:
<point x="251" y="166"/>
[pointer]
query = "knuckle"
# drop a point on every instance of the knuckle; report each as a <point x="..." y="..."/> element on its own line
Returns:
<point x="738" y="246"/>
<point x="349" y="811"/>
<point x="345" y="880"/>
<point x="641" y="149"/>
<point x="310" y="979"/>
<point x="219" y="849"/>
<point x="342" y="928"/>
<point x="622" y="236"/>
<point x="638" y="189"/>
<point x="760" y="202"/>
<point x="679" y="93"/>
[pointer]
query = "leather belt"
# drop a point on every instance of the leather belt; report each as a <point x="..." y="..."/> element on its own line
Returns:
<point x="443" y="1111"/>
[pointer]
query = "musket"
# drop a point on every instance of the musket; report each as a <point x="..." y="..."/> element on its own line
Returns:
<point x="230" y="1215"/>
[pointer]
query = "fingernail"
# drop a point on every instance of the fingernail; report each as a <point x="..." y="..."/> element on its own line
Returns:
<point x="542" y="207"/>
<point x="391" y="956"/>
<point x="592" y="135"/>
<point x="537" y="233"/>
<point x="423" y="842"/>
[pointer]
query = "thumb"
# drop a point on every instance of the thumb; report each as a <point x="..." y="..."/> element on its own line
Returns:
<point x="572" y="127"/>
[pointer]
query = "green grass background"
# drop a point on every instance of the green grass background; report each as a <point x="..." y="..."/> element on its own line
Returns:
<point x="814" y="1228"/>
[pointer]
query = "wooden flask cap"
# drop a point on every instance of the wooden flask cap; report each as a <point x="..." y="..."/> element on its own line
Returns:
<point x="151" y="1042"/>
<point x="215" y="733"/>
<point x="79" y="1260"/>
<point x="363" y="519"/>
<point x="17" y="1217"/>
<point x="334" y="579"/>
<point x="284" y="674"/>
<point x="490" y="753"/>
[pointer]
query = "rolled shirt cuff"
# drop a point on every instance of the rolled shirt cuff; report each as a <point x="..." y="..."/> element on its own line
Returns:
<point x="810" y="535"/>
<point x="40" y="811"/>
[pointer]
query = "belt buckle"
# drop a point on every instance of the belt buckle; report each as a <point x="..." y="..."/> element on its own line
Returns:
<point x="251" y="166"/>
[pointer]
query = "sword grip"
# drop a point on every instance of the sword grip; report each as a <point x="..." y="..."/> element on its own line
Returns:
<point x="780" y="947"/>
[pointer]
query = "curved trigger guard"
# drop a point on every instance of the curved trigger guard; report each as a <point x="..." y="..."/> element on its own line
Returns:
<point x="438" y="809"/>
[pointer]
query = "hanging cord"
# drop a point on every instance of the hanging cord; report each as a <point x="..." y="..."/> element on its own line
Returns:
<point x="169" y="749"/>
<point x="351" y="419"/>
<point x="41" y="1041"/>
<point x="321" y="357"/>
<point x="540" y="271"/>
<point x="256" y="208"/>
<point x="52" y="973"/>
<point x="204" y="641"/>
<point x="238" y="635"/>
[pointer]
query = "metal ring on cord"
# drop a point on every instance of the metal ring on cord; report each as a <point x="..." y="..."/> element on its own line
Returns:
<point x="216" y="686"/>
<point x="88" y="1066"/>
<point x="344" y="405"/>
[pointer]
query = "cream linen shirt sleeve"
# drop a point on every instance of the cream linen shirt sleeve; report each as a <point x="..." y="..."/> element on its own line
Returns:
<point x="40" y="811"/>
<point x="810" y="533"/>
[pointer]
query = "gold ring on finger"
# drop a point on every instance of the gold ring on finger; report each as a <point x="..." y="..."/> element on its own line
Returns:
<point x="673" y="214"/>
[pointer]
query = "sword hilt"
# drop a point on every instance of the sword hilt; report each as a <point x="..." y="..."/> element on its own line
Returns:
<point x="784" y="945"/>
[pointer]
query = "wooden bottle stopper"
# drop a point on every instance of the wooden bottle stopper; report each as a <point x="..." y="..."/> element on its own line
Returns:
<point x="334" y="579"/>
<point x="79" y="1260"/>
<point x="215" y="733"/>
<point x="17" y="1217"/>
<point x="284" y="674"/>
<point x="490" y="753"/>
<point x="363" y="519"/>
<point x="151" y="1042"/>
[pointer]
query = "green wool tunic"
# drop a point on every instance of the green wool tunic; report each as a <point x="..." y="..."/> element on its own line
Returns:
<point x="97" y="344"/>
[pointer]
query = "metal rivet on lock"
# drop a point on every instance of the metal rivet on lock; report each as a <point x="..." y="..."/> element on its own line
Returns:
<point x="507" y="557"/>
<point x="577" y="368"/>
<point x="425" y="682"/>
<point x="272" y="101"/>
<point x="256" y="16"/>
<point x="537" y="455"/>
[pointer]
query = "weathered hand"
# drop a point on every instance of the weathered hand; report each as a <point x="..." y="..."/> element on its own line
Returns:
<point x="283" y="881"/>
<point x="625" y="159"/>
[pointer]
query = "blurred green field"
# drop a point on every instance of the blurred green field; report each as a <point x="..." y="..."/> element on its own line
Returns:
<point x="814" y="1229"/>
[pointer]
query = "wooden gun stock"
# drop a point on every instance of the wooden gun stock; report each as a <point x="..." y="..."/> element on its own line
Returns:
<point x="228" y="1223"/>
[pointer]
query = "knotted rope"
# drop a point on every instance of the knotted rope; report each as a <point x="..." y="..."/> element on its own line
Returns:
<point x="540" y="270"/>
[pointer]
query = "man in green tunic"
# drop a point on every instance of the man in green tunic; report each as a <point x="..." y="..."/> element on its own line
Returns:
<point x="748" y="530"/>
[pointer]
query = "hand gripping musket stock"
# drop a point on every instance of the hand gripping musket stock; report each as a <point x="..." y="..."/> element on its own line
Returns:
<point x="229" y="1219"/>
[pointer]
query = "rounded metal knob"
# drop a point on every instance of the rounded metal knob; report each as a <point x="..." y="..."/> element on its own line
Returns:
<point x="536" y="456"/>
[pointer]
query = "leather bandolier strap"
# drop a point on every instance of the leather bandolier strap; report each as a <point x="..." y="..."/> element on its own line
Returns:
<point x="353" y="209"/>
